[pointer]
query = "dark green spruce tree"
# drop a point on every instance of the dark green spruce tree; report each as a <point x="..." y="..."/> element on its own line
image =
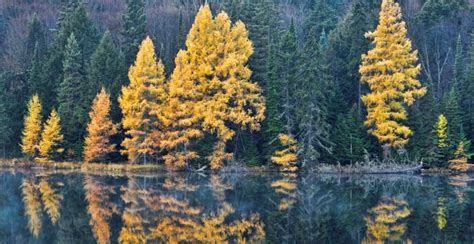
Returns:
<point x="349" y="138"/>
<point x="467" y="91"/>
<point x="313" y="91"/>
<point x="107" y="69"/>
<point x="73" y="19"/>
<point x="72" y="97"/>
<point x="134" y="29"/>
<point x="35" y="42"/>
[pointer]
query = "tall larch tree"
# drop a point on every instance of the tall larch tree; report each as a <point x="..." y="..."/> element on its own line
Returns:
<point x="51" y="138"/>
<point x="134" y="29"/>
<point x="233" y="98"/>
<point x="390" y="69"/>
<point x="72" y="98"/>
<point x="107" y="69"/>
<point x="32" y="128"/>
<point x="139" y="100"/>
<point x="99" y="130"/>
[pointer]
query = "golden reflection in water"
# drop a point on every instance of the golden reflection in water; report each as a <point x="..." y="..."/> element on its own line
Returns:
<point x="100" y="207"/>
<point x="31" y="200"/>
<point x="38" y="197"/>
<point x="441" y="213"/>
<point x="385" y="221"/>
<point x="167" y="216"/>
<point x="287" y="187"/>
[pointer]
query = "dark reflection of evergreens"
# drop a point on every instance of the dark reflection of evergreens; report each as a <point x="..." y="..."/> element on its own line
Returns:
<point x="279" y="208"/>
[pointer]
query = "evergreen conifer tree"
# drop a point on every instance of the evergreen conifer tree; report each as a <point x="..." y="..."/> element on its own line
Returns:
<point x="73" y="97"/>
<point x="134" y="29"/>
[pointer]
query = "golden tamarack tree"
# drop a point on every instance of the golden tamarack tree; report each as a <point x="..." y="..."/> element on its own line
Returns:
<point x="210" y="88"/>
<point x="51" y="137"/>
<point x="287" y="157"/>
<point x="390" y="69"/>
<point x="100" y="129"/>
<point x="143" y="95"/>
<point x="32" y="128"/>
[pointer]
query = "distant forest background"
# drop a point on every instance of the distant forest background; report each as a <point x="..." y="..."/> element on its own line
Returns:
<point x="441" y="30"/>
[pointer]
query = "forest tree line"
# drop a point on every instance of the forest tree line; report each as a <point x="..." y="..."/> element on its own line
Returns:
<point x="312" y="80"/>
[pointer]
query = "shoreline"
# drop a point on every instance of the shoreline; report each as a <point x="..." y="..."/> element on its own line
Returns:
<point x="125" y="169"/>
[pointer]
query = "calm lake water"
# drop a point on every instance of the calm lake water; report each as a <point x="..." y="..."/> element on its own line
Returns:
<point x="52" y="207"/>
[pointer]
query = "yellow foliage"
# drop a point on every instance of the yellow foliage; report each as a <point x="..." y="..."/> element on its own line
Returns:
<point x="384" y="222"/>
<point x="442" y="132"/>
<point x="32" y="128"/>
<point x="441" y="213"/>
<point x="32" y="202"/>
<point x="51" y="200"/>
<point x="287" y="158"/>
<point x="100" y="129"/>
<point x="460" y="161"/>
<point x="390" y="69"/>
<point x="141" y="101"/>
<point x="210" y="87"/>
<point x="287" y="187"/>
<point x="100" y="208"/>
<point x="51" y="136"/>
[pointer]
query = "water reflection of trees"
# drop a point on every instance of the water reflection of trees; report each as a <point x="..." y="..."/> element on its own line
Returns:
<point x="38" y="197"/>
<point x="166" y="215"/>
<point x="232" y="208"/>
<point x="385" y="221"/>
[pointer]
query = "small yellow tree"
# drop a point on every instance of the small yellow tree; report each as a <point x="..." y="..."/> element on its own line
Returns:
<point x="460" y="161"/>
<point x="287" y="158"/>
<point x="51" y="137"/>
<point x="32" y="128"/>
<point x="390" y="69"/>
<point x="442" y="132"/>
<point x="143" y="95"/>
<point x="100" y="129"/>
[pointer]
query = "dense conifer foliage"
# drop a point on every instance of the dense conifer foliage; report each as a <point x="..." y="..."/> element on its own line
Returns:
<point x="298" y="83"/>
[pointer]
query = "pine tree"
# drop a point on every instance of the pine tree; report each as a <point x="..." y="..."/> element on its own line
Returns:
<point x="139" y="100"/>
<point x="100" y="129"/>
<point x="107" y="69"/>
<point x="286" y="158"/>
<point x="32" y="128"/>
<point x="5" y="130"/>
<point x="390" y="70"/>
<point x="348" y="138"/>
<point x="36" y="85"/>
<point x="287" y="75"/>
<point x="72" y="98"/>
<point x="346" y="44"/>
<point x="134" y="29"/>
<point x="313" y="92"/>
<point x="51" y="138"/>
<point x="450" y="108"/>
<point x="272" y="125"/>
<point x="35" y="43"/>
<point x="467" y="87"/>
<point x="73" y="19"/>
